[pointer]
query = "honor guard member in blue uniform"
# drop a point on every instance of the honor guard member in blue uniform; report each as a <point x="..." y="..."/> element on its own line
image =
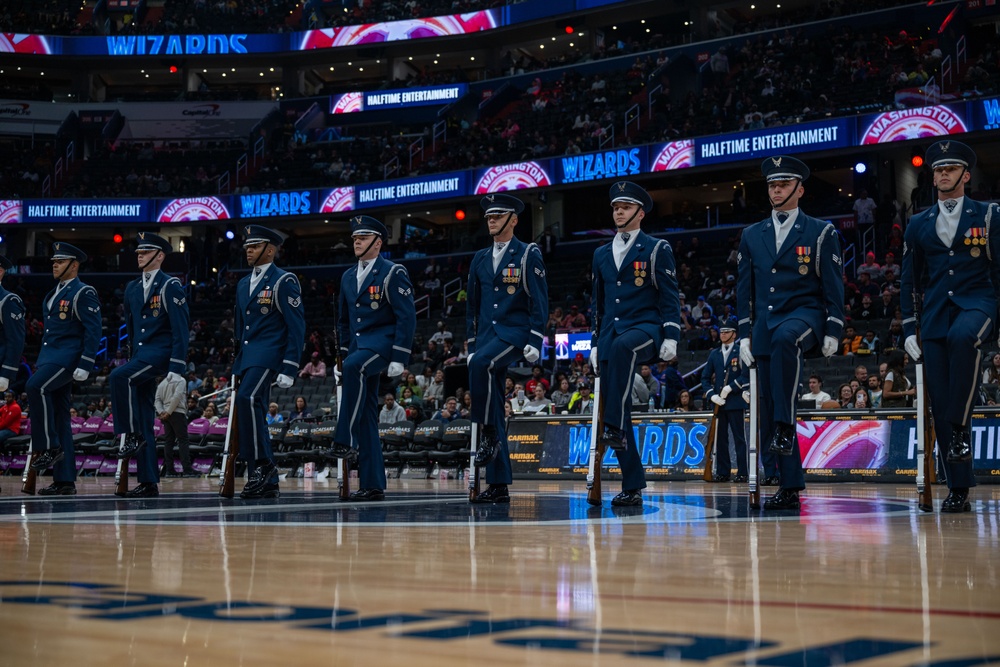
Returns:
<point x="72" y="316"/>
<point x="723" y="381"/>
<point x="375" y="326"/>
<point x="12" y="321"/>
<point x="270" y="332"/>
<point x="790" y="283"/>
<point x="636" y="307"/>
<point x="157" y="322"/>
<point x="507" y="309"/>
<point x="950" y="262"/>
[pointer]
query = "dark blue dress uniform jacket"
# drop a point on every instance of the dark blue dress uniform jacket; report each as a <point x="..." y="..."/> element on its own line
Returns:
<point x="951" y="275"/>
<point x="626" y="301"/>
<point x="738" y="378"/>
<point x="12" y="343"/>
<point x="516" y="316"/>
<point x="158" y="328"/>
<point x="386" y="330"/>
<point x="776" y="287"/>
<point x="71" y="341"/>
<point x="270" y="324"/>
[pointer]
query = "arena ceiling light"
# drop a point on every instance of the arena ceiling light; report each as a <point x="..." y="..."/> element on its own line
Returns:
<point x="860" y="167"/>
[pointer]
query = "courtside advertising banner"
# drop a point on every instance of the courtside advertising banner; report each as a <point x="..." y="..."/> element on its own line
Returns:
<point x="869" y="447"/>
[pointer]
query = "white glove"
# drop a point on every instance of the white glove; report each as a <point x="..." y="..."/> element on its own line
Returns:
<point x="593" y="357"/>
<point x="284" y="382"/>
<point x="668" y="350"/>
<point x="337" y="374"/>
<point x="395" y="369"/>
<point x="80" y="375"/>
<point x="174" y="377"/>
<point x="468" y="359"/>
<point x="912" y="347"/>
<point x="724" y="393"/>
<point x="718" y="400"/>
<point x="830" y="346"/>
<point x="746" y="397"/>
<point x="746" y="356"/>
<point x="531" y="354"/>
<point x="4" y="383"/>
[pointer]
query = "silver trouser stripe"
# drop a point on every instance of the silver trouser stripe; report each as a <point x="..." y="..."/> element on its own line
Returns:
<point x="253" y="415"/>
<point x="361" y="393"/>
<point x="131" y="402"/>
<point x="798" y="372"/>
<point x="627" y="395"/>
<point x="489" y="383"/>
<point x="979" y="359"/>
<point x="45" y="408"/>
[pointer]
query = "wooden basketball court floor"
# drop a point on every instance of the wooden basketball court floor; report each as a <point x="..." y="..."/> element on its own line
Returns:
<point x="858" y="577"/>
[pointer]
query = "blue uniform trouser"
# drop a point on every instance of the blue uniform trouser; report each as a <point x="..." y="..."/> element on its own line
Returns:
<point x="487" y="374"/>
<point x="357" y="420"/>
<point x="618" y="367"/>
<point x="951" y="371"/>
<point x="252" y="397"/>
<point x="779" y="375"/>
<point x="48" y="409"/>
<point x="730" y="421"/>
<point x="133" y="388"/>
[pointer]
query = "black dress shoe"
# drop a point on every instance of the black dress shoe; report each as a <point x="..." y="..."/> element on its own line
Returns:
<point x="47" y="459"/>
<point x="171" y="474"/>
<point x="261" y="476"/>
<point x="783" y="500"/>
<point x="190" y="472"/>
<point x="631" y="498"/>
<point x="367" y="495"/>
<point x="267" y="490"/>
<point x="340" y="451"/>
<point x="959" y="448"/>
<point x="487" y="448"/>
<point x="144" y="490"/>
<point x="721" y="478"/>
<point x="741" y="479"/>
<point x="957" y="501"/>
<point x="495" y="493"/>
<point x="774" y="480"/>
<point x="59" y="489"/>
<point x="131" y="446"/>
<point x="783" y="442"/>
<point x="614" y="438"/>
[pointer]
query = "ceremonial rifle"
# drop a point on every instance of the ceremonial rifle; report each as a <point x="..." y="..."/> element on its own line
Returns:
<point x="925" y="427"/>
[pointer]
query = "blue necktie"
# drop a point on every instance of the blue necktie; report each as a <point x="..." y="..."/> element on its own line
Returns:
<point x="782" y="216"/>
<point x="950" y="204"/>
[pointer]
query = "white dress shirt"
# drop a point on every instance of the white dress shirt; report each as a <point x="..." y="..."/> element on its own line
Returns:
<point x="147" y="283"/>
<point x="781" y="229"/>
<point x="946" y="224"/>
<point x="257" y="275"/>
<point x="498" y="249"/>
<point x="621" y="245"/>
<point x="364" y="268"/>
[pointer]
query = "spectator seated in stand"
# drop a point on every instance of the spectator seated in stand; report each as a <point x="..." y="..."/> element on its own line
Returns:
<point x="10" y="418"/>
<point x="538" y="404"/>
<point x="301" y="410"/>
<point x="314" y="369"/>
<point x="449" y="411"/>
<point x="273" y="416"/>
<point x="391" y="411"/>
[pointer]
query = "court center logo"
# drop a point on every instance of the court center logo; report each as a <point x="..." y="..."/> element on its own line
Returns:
<point x="907" y="124"/>
<point x="675" y="155"/>
<point x="194" y="209"/>
<point x="340" y="199"/>
<point x="519" y="176"/>
<point x="10" y="211"/>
